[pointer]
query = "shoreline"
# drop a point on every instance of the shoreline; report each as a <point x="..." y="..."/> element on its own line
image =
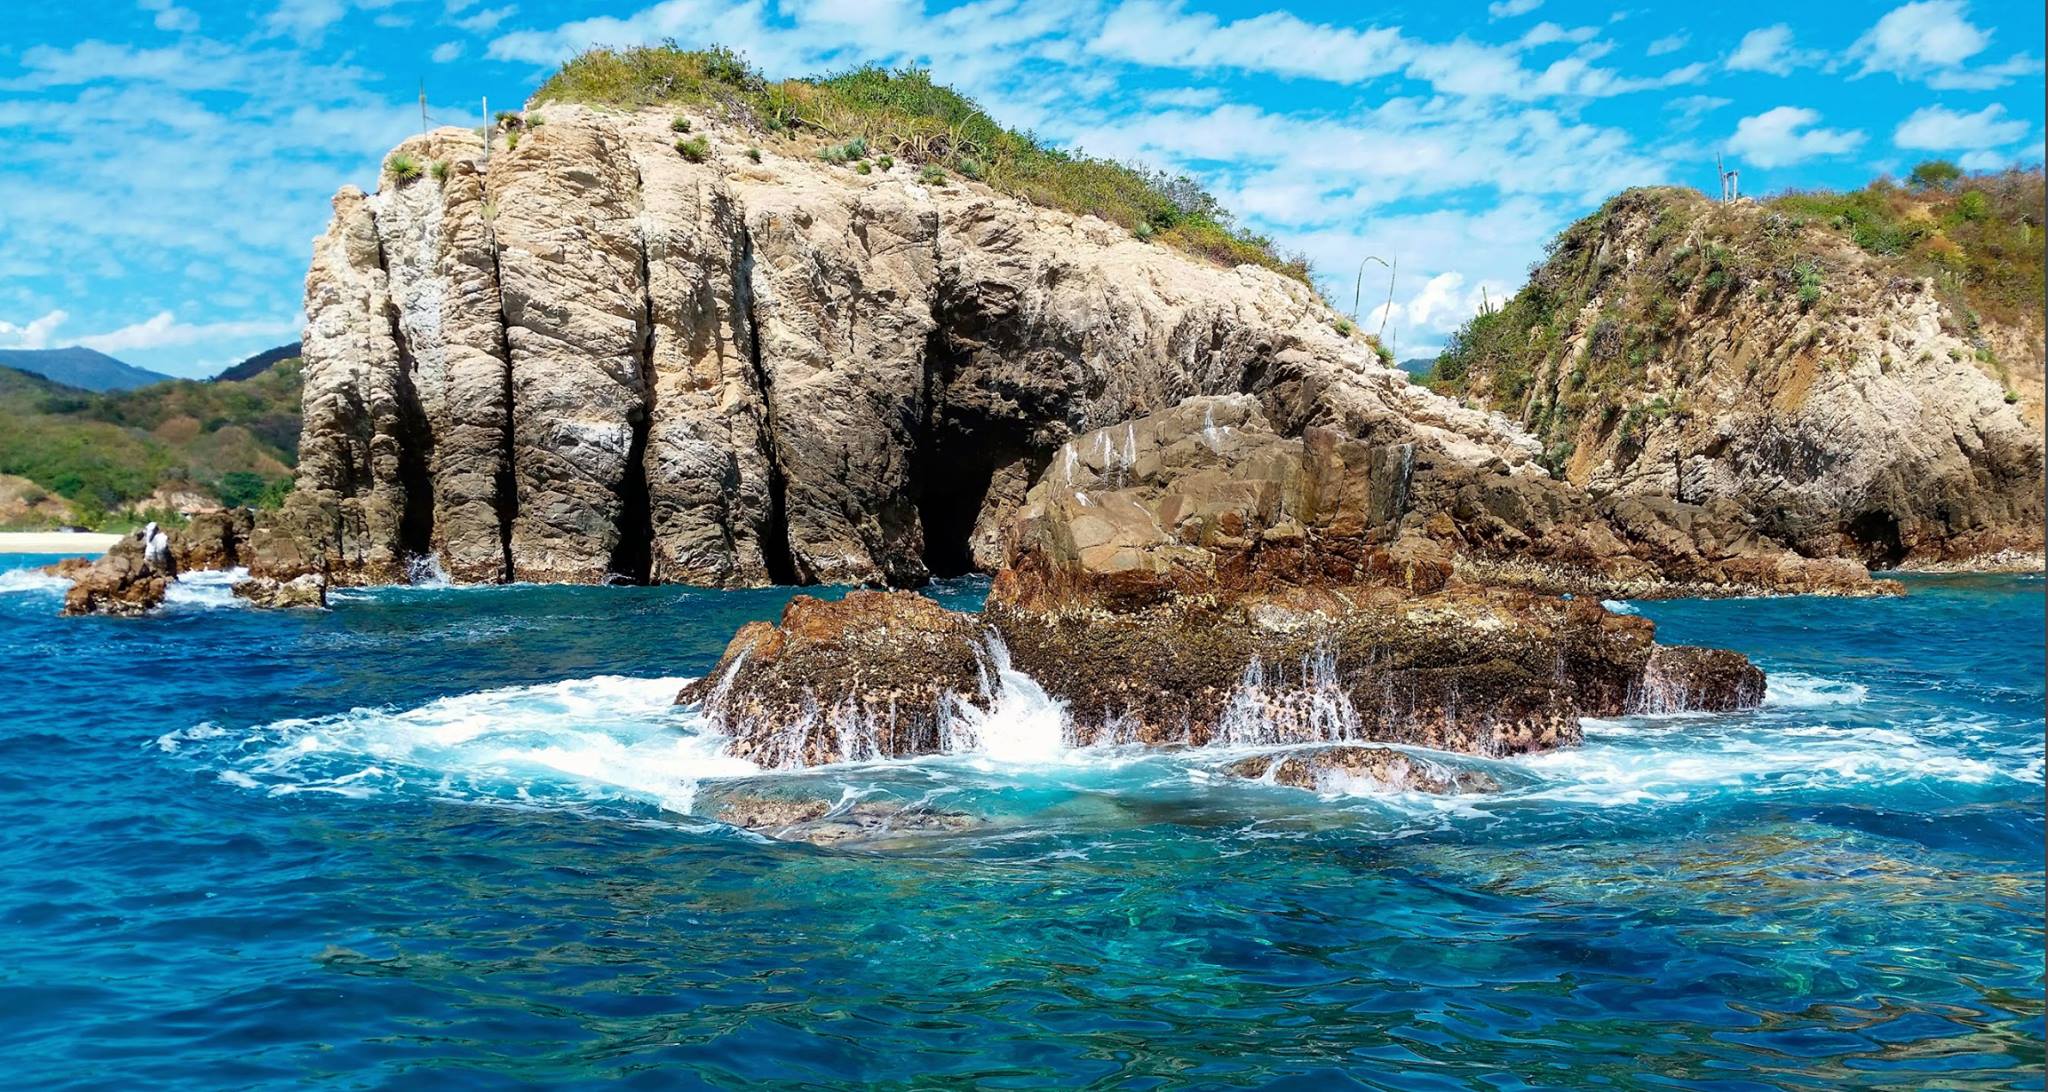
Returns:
<point x="56" y="542"/>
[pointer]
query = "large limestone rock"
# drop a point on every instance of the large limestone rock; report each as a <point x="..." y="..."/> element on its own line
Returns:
<point x="1192" y="577"/>
<point x="588" y="357"/>
<point x="1728" y="356"/>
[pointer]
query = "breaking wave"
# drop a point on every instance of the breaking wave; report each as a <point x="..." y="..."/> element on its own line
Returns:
<point x="606" y="739"/>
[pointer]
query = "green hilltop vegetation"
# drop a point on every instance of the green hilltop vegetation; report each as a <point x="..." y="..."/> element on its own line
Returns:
<point x="879" y="113"/>
<point x="103" y="455"/>
<point x="1976" y="238"/>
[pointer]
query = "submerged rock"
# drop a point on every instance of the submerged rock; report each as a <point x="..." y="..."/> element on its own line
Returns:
<point x="824" y="823"/>
<point x="1343" y="768"/>
<point x="302" y="592"/>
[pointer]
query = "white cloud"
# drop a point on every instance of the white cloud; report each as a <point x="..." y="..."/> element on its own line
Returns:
<point x="486" y="20"/>
<point x="34" y="334"/>
<point x="1933" y="41"/>
<point x="447" y="51"/>
<point x="1508" y="9"/>
<point x="1670" y="43"/>
<point x="169" y="16"/>
<point x="1937" y="127"/>
<point x="1985" y="160"/>
<point x="1770" y="50"/>
<point x="305" y="20"/>
<point x="163" y="330"/>
<point x="1692" y="106"/>
<point x="1918" y="36"/>
<point x="1164" y="34"/>
<point x="1786" y="135"/>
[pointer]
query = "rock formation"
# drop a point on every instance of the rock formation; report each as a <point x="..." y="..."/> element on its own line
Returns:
<point x="1193" y="577"/>
<point x="307" y="592"/>
<point x="129" y="579"/>
<point x="589" y="357"/>
<point x="1733" y="357"/>
<point x="1347" y="766"/>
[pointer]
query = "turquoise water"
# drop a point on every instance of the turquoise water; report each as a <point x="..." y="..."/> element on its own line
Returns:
<point x="444" y="836"/>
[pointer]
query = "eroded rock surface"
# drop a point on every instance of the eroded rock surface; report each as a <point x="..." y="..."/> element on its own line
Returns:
<point x="1192" y="577"/>
<point x="1348" y="768"/>
<point x="589" y="358"/>
<point x="829" y="823"/>
<point x="129" y="579"/>
<point x="305" y="592"/>
<point x="1731" y="356"/>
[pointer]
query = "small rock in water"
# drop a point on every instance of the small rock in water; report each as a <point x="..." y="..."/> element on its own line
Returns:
<point x="1333" y="769"/>
<point x="306" y="592"/>
<point x="822" y="823"/>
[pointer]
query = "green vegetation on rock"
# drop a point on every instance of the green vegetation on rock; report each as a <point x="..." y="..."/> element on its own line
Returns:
<point x="1978" y="237"/>
<point x="104" y="454"/>
<point x="901" y="113"/>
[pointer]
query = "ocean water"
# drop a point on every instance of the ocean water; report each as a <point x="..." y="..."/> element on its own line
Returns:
<point x="456" y="838"/>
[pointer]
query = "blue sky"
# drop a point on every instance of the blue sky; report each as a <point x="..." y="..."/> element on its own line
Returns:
<point x="169" y="161"/>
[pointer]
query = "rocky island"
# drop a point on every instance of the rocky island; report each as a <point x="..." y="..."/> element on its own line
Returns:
<point x="673" y="324"/>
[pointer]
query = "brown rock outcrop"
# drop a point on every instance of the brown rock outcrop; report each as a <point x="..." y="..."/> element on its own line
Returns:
<point x="129" y="579"/>
<point x="306" y="592"/>
<point x="1192" y="577"/>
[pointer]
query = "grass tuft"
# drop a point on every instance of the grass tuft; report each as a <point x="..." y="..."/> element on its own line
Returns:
<point x="403" y="167"/>
<point x="695" y="149"/>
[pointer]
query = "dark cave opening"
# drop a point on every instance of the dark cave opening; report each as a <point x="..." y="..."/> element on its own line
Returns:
<point x="1876" y="534"/>
<point x="415" y="460"/>
<point x="632" y="560"/>
<point x="953" y="481"/>
<point x="968" y="433"/>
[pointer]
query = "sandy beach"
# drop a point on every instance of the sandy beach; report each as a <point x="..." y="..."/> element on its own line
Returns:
<point x="55" y="542"/>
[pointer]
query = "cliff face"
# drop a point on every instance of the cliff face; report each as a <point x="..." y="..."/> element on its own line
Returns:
<point x="588" y="356"/>
<point x="1734" y="354"/>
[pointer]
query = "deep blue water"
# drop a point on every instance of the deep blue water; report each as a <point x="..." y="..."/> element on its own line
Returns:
<point x="443" y="837"/>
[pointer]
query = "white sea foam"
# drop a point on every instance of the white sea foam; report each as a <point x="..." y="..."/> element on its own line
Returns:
<point x="581" y="741"/>
<point x="1619" y="606"/>
<point x="1645" y="761"/>
<point x="1023" y="723"/>
<point x="205" y="590"/>
<point x="31" y="581"/>
<point x="1792" y="690"/>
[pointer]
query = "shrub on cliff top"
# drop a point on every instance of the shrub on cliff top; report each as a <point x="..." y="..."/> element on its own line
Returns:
<point x="902" y="113"/>
<point x="403" y="167"/>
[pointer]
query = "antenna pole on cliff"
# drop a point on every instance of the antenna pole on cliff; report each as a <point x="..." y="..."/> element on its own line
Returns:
<point x="1358" y="286"/>
<point x="423" y="107"/>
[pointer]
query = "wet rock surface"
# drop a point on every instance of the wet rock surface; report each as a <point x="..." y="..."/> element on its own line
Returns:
<point x="1341" y="769"/>
<point x="830" y="823"/>
<point x="129" y="579"/>
<point x="873" y="675"/>
<point x="1193" y="578"/>
<point x="307" y="592"/>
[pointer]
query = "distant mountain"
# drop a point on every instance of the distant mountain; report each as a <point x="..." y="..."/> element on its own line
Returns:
<point x="258" y="364"/>
<point x="101" y="456"/>
<point x="86" y="369"/>
<point x="1418" y="366"/>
